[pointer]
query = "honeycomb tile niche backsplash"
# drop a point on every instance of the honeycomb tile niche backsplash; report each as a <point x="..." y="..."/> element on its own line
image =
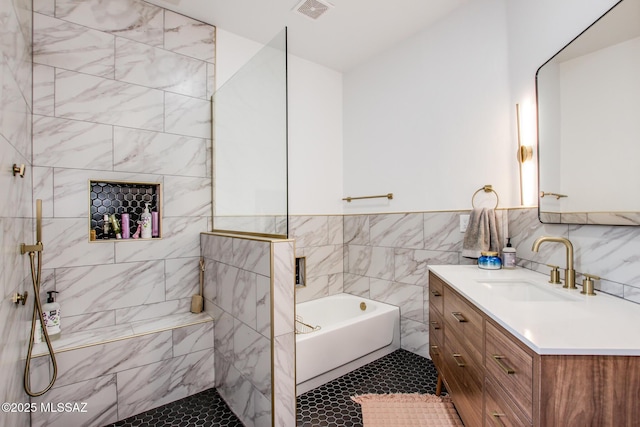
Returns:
<point x="117" y="197"/>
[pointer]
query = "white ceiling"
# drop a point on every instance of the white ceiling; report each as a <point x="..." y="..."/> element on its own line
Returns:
<point x="346" y="35"/>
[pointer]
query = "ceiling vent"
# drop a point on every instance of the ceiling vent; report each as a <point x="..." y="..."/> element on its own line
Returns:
<point x="312" y="9"/>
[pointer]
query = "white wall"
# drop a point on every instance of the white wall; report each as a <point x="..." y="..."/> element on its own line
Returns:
<point x="430" y="120"/>
<point x="315" y="125"/>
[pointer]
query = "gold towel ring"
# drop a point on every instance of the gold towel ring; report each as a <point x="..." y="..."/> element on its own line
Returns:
<point x="486" y="189"/>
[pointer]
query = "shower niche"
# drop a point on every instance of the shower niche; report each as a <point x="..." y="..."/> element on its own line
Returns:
<point x="117" y="210"/>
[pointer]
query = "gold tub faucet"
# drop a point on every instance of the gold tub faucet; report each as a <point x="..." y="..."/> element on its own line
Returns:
<point x="569" y="272"/>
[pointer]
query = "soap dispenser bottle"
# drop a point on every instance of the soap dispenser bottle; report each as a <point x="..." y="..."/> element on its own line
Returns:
<point x="146" y="223"/>
<point x="51" y="315"/>
<point x="508" y="255"/>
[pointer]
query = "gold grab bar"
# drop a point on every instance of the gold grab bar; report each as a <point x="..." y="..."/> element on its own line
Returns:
<point x="388" y="196"/>
<point x="556" y="195"/>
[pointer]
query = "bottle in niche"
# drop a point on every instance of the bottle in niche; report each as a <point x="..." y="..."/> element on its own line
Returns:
<point x="115" y="226"/>
<point x="106" y="229"/>
<point x="126" y="233"/>
<point x="154" y="224"/>
<point x="146" y="223"/>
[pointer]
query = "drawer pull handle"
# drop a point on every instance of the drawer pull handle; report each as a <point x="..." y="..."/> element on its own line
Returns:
<point x="434" y="349"/>
<point x="495" y="416"/>
<point x="436" y="293"/>
<point x="460" y="362"/>
<point x="458" y="316"/>
<point x="507" y="370"/>
<point x="435" y="324"/>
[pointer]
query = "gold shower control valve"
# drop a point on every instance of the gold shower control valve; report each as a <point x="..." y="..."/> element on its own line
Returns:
<point x="20" y="298"/>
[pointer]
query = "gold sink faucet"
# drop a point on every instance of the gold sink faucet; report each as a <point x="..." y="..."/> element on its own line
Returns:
<point x="569" y="272"/>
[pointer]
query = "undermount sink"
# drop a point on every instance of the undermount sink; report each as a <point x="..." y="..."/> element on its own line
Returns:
<point x="521" y="290"/>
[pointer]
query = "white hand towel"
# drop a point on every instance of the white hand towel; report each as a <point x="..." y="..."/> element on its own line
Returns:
<point x="482" y="233"/>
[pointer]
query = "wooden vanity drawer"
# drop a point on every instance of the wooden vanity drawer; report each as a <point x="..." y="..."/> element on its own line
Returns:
<point x="436" y="327"/>
<point x="498" y="411"/>
<point x="511" y="366"/>
<point x="436" y="293"/>
<point x="465" y="321"/>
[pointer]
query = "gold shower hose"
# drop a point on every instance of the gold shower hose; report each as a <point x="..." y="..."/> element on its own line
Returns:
<point x="37" y="308"/>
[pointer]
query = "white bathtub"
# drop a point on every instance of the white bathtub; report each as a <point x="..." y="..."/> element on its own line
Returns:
<point x="347" y="335"/>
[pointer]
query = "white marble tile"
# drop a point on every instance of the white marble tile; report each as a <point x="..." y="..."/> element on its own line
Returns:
<point x="96" y="400"/>
<point x="397" y="230"/>
<point x="111" y="286"/>
<point x="99" y="360"/>
<point x="263" y="305"/>
<point x="357" y="285"/>
<point x="149" y="66"/>
<point x="15" y="115"/>
<point x="411" y="266"/>
<point x="89" y="321"/>
<point x="335" y="223"/>
<point x="184" y="115"/>
<point x="323" y="260"/>
<point x="442" y="231"/>
<point x="410" y="298"/>
<point x="283" y="288"/>
<point x="72" y="340"/>
<point x="219" y="248"/>
<point x="156" y="384"/>
<point x="66" y="244"/>
<point x="223" y="334"/>
<point x="252" y="255"/>
<point x="133" y="19"/>
<point x="227" y="277"/>
<point x="284" y="380"/>
<point x="414" y="336"/>
<point x="356" y="229"/>
<point x="211" y="80"/>
<point x="46" y="7"/>
<point x="309" y="230"/>
<point x="154" y="315"/>
<point x="245" y="297"/>
<point x="261" y="409"/>
<point x="182" y="277"/>
<point x="187" y="196"/>
<point x="180" y="238"/>
<point x="100" y="100"/>
<point x="62" y="44"/>
<point x="236" y="392"/>
<point x="316" y="287"/>
<point x="371" y="261"/>
<point x="16" y="192"/>
<point x="210" y="281"/>
<point x="43" y="189"/>
<point x="71" y="144"/>
<point x="43" y="90"/>
<point x="193" y="338"/>
<point x="189" y="37"/>
<point x="252" y="357"/>
<point x="142" y="151"/>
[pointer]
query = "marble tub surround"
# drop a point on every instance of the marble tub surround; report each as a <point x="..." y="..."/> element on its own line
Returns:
<point x="128" y="375"/>
<point x="249" y="289"/>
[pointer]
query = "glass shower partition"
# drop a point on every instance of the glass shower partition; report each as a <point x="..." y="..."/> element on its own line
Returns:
<point x="250" y="146"/>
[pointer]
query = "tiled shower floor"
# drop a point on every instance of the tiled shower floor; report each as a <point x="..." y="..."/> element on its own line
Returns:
<point x="329" y="405"/>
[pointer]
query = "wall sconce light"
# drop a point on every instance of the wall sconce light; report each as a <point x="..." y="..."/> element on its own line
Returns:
<point x="526" y="167"/>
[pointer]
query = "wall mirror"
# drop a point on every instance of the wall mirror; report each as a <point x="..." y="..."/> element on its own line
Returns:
<point x="589" y="124"/>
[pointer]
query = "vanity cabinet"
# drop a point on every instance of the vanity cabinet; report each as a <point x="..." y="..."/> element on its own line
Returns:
<point x="495" y="379"/>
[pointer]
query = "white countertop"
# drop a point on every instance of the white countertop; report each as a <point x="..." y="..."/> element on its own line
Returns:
<point x="572" y="324"/>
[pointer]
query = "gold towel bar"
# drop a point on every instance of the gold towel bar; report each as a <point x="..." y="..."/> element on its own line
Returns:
<point x="487" y="189"/>
<point x="556" y="195"/>
<point x="388" y="196"/>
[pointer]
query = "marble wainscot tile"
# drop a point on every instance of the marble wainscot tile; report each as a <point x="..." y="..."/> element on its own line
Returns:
<point x="252" y="357"/>
<point x="71" y="144"/>
<point x="133" y="19"/>
<point x="210" y="281"/>
<point x="614" y="218"/>
<point x="43" y="189"/>
<point x="409" y="298"/>
<point x="179" y="239"/>
<point x="219" y="248"/>
<point x="442" y="231"/>
<point x="245" y="297"/>
<point x="371" y="261"/>
<point x="156" y="384"/>
<point x="189" y="37"/>
<point x="99" y="360"/>
<point x="356" y="229"/>
<point x="235" y="390"/>
<point x="63" y="44"/>
<point x="397" y="230"/>
<point x="81" y="339"/>
<point x="89" y="321"/>
<point x="261" y="410"/>
<point x="227" y="277"/>
<point x="630" y="293"/>
<point x="43" y="89"/>
<point x="252" y="255"/>
<point x="15" y="124"/>
<point x="356" y="284"/>
<point x="324" y="260"/>
<point x="46" y="7"/>
<point x="96" y="399"/>
<point x="574" y="218"/>
<point x="223" y="334"/>
<point x="411" y="265"/>
<point x="154" y="311"/>
<point x="110" y="286"/>
<point x="316" y="287"/>
<point x="149" y="66"/>
<point x="193" y="338"/>
<point x="414" y="336"/>
<point x="144" y="151"/>
<point x="67" y="244"/>
<point x="184" y="115"/>
<point x="284" y="380"/>
<point x="100" y="100"/>
<point x="187" y="196"/>
<point x="182" y="277"/>
<point x="309" y="230"/>
<point x="263" y="305"/>
<point x="283" y="287"/>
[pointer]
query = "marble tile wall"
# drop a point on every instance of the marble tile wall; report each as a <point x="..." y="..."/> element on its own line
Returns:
<point x="16" y="218"/>
<point x="249" y="291"/>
